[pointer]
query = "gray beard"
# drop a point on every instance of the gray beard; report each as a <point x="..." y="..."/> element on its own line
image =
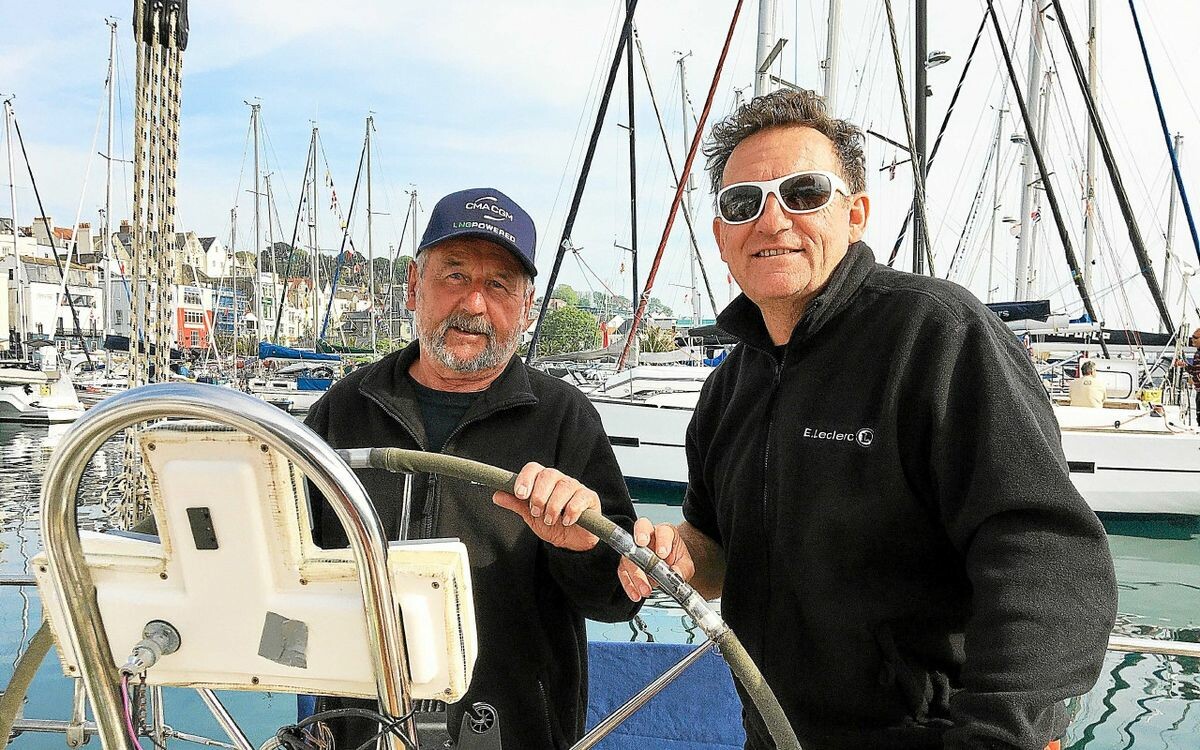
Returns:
<point x="494" y="354"/>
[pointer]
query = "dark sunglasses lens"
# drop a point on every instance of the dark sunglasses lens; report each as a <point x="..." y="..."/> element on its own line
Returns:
<point x="806" y="192"/>
<point x="740" y="203"/>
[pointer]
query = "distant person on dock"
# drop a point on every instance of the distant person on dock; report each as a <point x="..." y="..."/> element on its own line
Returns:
<point x="459" y="389"/>
<point x="1087" y="389"/>
<point x="902" y="552"/>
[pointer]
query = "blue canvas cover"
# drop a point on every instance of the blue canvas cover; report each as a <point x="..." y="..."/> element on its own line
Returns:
<point x="698" y="711"/>
<point x="274" y="351"/>
<point x="313" y="384"/>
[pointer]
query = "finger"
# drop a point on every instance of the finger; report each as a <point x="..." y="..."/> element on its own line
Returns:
<point x="525" y="479"/>
<point x="633" y="580"/>
<point x="562" y="494"/>
<point x="543" y="485"/>
<point x="642" y="530"/>
<point x="643" y="584"/>
<point x="680" y="559"/>
<point x="664" y="540"/>
<point x="626" y="583"/>
<point x="582" y="500"/>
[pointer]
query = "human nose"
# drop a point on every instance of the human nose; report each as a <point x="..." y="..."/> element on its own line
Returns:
<point x="773" y="218"/>
<point x="474" y="302"/>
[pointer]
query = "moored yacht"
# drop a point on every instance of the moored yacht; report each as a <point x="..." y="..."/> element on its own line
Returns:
<point x="38" y="391"/>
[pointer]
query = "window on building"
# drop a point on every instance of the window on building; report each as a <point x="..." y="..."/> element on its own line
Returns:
<point x="191" y="297"/>
<point x="195" y="339"/>
<point x="118" y="316"/>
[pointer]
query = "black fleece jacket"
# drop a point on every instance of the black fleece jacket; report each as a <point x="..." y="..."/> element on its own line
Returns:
<point x="530" y="597"/>
<point x="907" y="557"/>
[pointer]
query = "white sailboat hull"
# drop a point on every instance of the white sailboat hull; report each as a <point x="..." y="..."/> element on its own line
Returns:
<point x="1141" y="468"/>
<point x="33" y="396"/>
<point x="285" y="394"/>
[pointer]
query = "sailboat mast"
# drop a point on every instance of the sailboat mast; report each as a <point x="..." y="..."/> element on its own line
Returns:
<point x="314" y="242"/>
<point x="370" y="246"/>
<point x="272" y="277"/>
<point x="832" y="33"/>
<point x="1171" y="229"/>
<point x="107" y="296"/>
<point x="920" y="164"/>
<point x="237" y="309"/>
<point x="686" y="179"/>
<point x="1089" y="180"/>
<point x="633" y="225"/>
<point x="1028" y="165"/>
<point x="1033" y="287"/>
<point x="766" y="42"/>
<point x="995" y="198"/>
<point x="22" y="323"/>
<point x="584" y="170"/>
<point x="257" y="244"/>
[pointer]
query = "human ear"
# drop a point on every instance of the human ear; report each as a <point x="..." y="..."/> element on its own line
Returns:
<point x="860" y="210"/>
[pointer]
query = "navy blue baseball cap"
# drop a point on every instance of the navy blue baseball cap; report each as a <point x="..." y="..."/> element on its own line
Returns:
<point x="486" y="213"/>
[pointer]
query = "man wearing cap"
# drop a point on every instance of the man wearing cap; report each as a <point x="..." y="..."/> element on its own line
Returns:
<point x="459" y="389"/>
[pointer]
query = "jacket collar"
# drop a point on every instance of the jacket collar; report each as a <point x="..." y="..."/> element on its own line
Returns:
<point x="389" y="385"/>
<point x="743" y="320"/>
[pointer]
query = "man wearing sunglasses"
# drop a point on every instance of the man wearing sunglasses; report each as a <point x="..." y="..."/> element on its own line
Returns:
<point x="876" y="482"/>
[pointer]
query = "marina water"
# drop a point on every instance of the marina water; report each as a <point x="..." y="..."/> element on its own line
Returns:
<point x="1141" y="701"/>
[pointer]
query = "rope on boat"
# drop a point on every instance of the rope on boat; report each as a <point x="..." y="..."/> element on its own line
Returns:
<point x="160" y="31"/>
<point x="401" y="461"/>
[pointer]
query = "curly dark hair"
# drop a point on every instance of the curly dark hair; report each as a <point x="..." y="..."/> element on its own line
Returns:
<point x="780" y="109"/>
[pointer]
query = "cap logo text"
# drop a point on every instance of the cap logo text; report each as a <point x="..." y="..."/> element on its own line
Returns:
<point x="487" y="204"/>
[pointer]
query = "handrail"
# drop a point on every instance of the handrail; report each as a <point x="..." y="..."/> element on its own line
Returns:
<point x="73" y="582"/>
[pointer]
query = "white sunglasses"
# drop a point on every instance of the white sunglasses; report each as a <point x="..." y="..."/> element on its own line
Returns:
<point x="797" y="193"/>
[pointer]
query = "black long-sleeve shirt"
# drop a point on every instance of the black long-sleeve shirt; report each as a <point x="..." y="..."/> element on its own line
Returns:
<point x="907" y="558"/>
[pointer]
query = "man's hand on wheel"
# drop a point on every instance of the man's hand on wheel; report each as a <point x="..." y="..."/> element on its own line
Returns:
<point x="551" y="502"/>
<point x="664" y="541"/>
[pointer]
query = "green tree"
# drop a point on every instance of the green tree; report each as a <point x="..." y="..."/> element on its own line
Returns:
<point x="566" y="294"/>
<point x="656" y="307"/>
<point x="568" y="329"/>
<point x="401" y="269"/>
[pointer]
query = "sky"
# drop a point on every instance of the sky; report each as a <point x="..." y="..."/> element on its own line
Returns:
<point x="470" y="93"/>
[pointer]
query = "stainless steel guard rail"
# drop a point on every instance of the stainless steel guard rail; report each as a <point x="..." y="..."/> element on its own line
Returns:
<point x="263" y="422"/>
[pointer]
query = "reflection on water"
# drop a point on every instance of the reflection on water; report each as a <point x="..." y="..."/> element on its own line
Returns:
<point x="1141" y="701"/>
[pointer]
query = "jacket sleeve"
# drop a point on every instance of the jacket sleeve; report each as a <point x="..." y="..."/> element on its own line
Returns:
<point x="317" y="420"/>
<point x="698" y="507"/>
<point x="589" y="579"/>
<point x="1044" y="591"/>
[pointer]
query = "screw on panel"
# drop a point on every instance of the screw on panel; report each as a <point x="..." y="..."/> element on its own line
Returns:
<point x="253" y="680"/>
<point x="436" y="585"/>
<point x="163" y="576"/>
<point x="263" y="447"/>
<point x="150" y="446"/>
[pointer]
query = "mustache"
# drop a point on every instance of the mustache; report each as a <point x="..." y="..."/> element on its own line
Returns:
<point x="465" y="322"/>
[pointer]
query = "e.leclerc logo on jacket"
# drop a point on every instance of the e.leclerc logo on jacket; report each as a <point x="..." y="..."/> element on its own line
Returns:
<point x="863" y="437"/>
